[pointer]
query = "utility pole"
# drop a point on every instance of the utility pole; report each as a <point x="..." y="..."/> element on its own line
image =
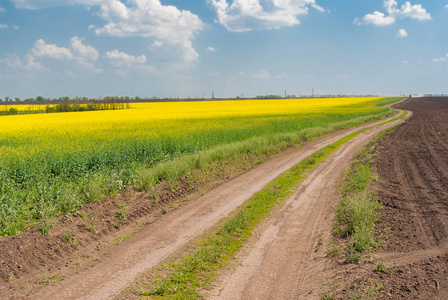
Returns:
<point x="312" y="92"/>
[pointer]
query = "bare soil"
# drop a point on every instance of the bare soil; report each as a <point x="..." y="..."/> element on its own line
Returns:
<point x="412" y="167"/>
<point x="412" y="171"/>
<point x="94" y="255"/>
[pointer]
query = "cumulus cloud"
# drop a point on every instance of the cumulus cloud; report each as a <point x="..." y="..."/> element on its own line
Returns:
<point x="143" y="18"/>
<point x="124" y="62"/>
<point x="42" y="49"/>
<point x="211" y="49"/>
<point x="376" y="18"/>
<point x="121" y="59"/>
<point x="81" y="53"/>
<point x="149" y="18"/>
<point x="2" y="9"/>
<point x="402" y="33"/>
<point x="87" y="52"/>
<point x="13" y="61"/>
<point x="407" y="10"/>
<point x="247" y="15"/>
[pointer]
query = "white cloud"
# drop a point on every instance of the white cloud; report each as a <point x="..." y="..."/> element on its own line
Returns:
<point x="262" y="74"/>
<point x="3" y="26"/>
<point x="81" y="53"/>
<point x="377" y="18"/>
<point x="211" y="49"/>
<point x="390" y="5"/>
<point x="150" y="19"/>
<point x="87" y="52"/>
<point x="402" y="33"/>
<point x="13" y="61"/>
<point x="124" y="62"/>
<point x="405" y="62"/>
<point x="142" y="18"/>
<point x="2" y="9"/>
<point x="120" y="59"/>
<point x="281" y="76"/>
<point x="33" y="65"/>
<point x="441" y="59"/>
<point x="16" y="27"/>
<point x="407" y="10"/>
<point x="413" y="11"/>
<point x="42" y="49"/>
<point x="247" y="15"/>
<point x="156" y="44"/>
<point x="89" y="67"/>
<point x="446" y="6"/>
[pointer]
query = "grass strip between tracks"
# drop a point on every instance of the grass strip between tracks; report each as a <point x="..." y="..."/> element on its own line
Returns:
<point x="354" y="229"/>
<point x="186" y="278"/>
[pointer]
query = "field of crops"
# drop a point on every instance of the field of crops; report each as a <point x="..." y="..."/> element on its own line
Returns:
<point x="54" y="163"/>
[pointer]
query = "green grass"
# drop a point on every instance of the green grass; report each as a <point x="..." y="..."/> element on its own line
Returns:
<point x="357" y="212"/>
<point x="187" y="277"/>
<point x="38" y="182"/>
<point x="381" y="267"/>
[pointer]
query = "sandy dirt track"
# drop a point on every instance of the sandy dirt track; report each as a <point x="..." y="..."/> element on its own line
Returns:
<point x="279" y="263"/>
<point x="168" y="234"/>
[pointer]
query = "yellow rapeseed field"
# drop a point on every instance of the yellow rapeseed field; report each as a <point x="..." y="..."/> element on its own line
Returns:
<point x="49" y="161"/>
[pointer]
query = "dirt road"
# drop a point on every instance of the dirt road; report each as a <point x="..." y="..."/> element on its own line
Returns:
<point x="168" y="234"/>
<point x="279" y="263"/>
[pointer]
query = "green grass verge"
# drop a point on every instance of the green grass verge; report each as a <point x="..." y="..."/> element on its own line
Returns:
<point x="357" y="212"/>
<point x="186" y="278"/>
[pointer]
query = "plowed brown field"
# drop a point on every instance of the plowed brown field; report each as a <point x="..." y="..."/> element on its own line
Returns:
<point x="412" y="168"/>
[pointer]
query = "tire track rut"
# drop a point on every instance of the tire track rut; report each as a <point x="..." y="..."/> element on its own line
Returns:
<point x="282" y="263"/>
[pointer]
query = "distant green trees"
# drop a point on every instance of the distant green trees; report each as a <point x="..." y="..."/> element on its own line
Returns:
<point x="65" y="104"/>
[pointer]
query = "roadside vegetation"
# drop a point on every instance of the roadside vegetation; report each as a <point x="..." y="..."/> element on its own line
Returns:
<point x="358" y="211"/>
<point x="186" y="278"/>
<point x="354" y="229"/>
<point x="53" y="164"/>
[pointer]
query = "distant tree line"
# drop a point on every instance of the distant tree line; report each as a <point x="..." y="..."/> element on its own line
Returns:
<point x="66" y="104"/>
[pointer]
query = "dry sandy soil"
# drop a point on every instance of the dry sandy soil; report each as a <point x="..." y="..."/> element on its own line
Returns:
<point x="92" y="255"/>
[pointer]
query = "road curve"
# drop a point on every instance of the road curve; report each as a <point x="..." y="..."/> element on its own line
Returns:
<point x="281" y="261"/>
<point x="168" y="234"/>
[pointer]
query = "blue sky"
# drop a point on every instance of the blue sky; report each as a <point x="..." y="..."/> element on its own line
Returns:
<point x="178" y="48"/>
